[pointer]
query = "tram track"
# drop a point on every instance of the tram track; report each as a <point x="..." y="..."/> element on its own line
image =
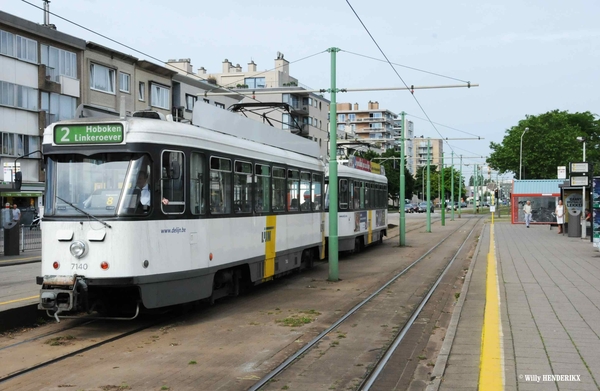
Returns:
<point x="58" y="337"/>
<point x="371" y="376"/>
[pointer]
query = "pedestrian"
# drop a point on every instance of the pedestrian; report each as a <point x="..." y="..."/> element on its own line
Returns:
<point x="560" y="216"/>
<point x="6" y="214"/>
<point x="16" y="214"/>
<point x="527" y="212"/>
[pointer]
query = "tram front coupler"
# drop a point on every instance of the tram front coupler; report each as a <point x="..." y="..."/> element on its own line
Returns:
<point x="63" y="294"/>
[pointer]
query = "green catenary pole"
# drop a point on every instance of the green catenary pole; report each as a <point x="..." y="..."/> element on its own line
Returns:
<point x="443" y="193"/>
<point x="402" y="184"/>
<point x="475" y="189"/>
<point x="460" y="182"/>
<point x="333" y="177"/>
<point x="428" y="207"/>
<point x="452" y="186"/>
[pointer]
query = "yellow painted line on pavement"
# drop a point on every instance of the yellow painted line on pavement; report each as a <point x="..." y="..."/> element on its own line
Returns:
<point x="18" y="300"/>
<point x="20" y="259"/>
<point x="491" y="375"/>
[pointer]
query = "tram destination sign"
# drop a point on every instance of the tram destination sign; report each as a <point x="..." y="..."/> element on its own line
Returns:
<point x="88" y="134"/>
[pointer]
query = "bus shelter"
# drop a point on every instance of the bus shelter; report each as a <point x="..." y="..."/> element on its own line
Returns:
<point x="543" y="194"/>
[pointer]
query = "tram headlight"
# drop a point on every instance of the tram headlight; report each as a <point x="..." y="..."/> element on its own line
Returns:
<point x="78" y="249"/>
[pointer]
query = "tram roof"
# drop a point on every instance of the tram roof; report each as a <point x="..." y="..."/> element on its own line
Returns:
<point x="350" y="172"/>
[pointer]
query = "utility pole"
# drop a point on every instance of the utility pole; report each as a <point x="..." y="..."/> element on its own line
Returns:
<point x="333" y="177"/>
<point x="428" y="186"/>
<point x="460" y="189"/>
<point x="443" y="193"/>
<point x="402" y="233"/>
<point x="452" y="188"/>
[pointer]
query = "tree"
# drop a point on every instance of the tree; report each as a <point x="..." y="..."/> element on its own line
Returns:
<point x="551" y="141"/>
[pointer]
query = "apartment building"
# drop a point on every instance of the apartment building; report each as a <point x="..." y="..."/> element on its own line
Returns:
<point x="278" y="98"/>
<point x="420" y="150"/>
<point x="40" y="78"/>
<point x="406" y="131"/>
<point x="372" y="126"/>
<point x="114" y="81"/>
<point x="189" y="88"/>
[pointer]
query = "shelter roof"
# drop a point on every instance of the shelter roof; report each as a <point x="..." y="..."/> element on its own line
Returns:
<point x="537" y="186"/>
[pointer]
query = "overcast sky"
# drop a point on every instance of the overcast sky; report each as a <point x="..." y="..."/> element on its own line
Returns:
<point x="528" y="57"/>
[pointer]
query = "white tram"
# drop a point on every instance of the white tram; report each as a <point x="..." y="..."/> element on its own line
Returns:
<point x="148" y="213"/>
<point x="362" y="208"/>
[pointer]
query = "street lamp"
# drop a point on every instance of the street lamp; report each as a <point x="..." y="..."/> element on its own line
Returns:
<point x="583" y="190"/>
<point x="521" y="154"/>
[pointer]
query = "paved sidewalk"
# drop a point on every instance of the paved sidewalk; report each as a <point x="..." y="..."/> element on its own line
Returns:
<point x="550" y="313"/>
<point x="28" y="256"/>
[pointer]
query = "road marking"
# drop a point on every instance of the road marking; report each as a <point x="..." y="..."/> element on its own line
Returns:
<point x="491" y="374"/>
<point x="18" y="300"/>
<point x="21" y="259"/>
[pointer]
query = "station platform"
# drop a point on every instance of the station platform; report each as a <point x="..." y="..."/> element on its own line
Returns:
<point x="528" y="317"/>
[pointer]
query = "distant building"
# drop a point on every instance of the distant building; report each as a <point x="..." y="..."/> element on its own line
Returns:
<point x="371" y="126"/>
<point x="309" y="112"/>
<point x="188" y="88"/>
<point x="408" y="135"/>
<point x="419" y="157"/>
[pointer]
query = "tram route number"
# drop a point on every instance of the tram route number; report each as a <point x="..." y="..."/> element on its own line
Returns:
<point x="79" y="266"/>
<point x="266" y="235"/>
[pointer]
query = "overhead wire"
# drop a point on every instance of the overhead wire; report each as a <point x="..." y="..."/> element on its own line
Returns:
<point x="396" y="72"/>
<point x="445" y="126"/>
<point x="152" y="57"/>
<point x="405" y="66"/>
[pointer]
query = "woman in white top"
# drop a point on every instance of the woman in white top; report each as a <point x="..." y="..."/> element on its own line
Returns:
<point x="560" y="216"/>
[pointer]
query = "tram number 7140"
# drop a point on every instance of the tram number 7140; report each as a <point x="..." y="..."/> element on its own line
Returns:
<point x="79" y="266"/>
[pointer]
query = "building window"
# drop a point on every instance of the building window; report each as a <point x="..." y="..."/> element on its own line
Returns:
<point x="255" y="82"/>
<point x="285" y="121"/>
<point x="220" y="105"/>
<point x="352" y="117"/>
<point x="142" y="91"/>
<point x="8" y="144"/>
<point x="18" y="46"/>
<point x="58" y="62"/>
<point x="18" y="96"/>
<point x="189" y="101"/>
<point x="102" y="78"/>
<point x="159" y="96"/>
<point x="124" y="82"/>
<point x="58" y="107"/>
<point x="27" y="144"/>
<point x="341" y="117"/>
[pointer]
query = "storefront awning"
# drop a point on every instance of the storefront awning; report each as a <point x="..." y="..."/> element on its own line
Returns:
<point x="22" y="194"/>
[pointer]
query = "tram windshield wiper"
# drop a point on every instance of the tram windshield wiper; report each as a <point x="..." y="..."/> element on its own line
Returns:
<point x="84" y="212"/>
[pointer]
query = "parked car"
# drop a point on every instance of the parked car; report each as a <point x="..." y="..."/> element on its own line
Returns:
<point x="452" y="204"/>
<point x="423" y="207"/>
<point x="409" y="208"/>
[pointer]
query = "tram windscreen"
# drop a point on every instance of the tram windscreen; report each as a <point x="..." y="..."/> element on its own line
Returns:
<point x="107" y="184"/>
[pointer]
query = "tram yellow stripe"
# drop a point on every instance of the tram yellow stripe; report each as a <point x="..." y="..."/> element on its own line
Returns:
<point x="270" y="236"/>
<point x="369" y="228"/>
<point x="491" y="362"/>
<point x="18" y="300"/>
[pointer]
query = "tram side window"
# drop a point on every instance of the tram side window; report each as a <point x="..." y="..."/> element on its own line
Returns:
<point x="261" y="188"/>
<point x="356" y="195"/>
<point x="368" y="195"/>
<point x="220" y="185"/>
<point x="317" y="192"/>
<point x="362" y="195"/>
<point x="343" y="194"/>
<point x="279" y="190"/>
<point x="242" y="185"/>
<point x="350" y="194"/>
<point x="306" y="204"/>
<point x="293" y="190"/>
<point x="197" y="175"/>
<point x="172" y="185"/>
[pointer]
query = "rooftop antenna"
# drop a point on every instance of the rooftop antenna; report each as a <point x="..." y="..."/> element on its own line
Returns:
<point x="46" y="12"/>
